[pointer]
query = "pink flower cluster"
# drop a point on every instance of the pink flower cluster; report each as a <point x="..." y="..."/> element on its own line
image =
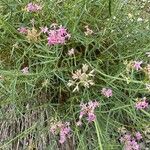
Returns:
<point x="106" y="92"/>
<point x="87" y="109"/>
<point x="58" y="36"/>
<point x="131" y="143"/>
<point x="63" y="129"/>
<point x="142" y="104"/>
<point x="31" y="7"/>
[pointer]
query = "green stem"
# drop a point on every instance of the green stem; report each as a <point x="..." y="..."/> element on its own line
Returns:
<point x="98" y="135"/>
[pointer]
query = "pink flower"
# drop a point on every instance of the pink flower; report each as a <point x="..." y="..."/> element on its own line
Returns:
<point x="22" y="30"/>
<point x="137" y="65"/>
<point x="62" y="138"/>
<point x="93" y="105"/>
<point x="135" y="145"/>
<point x="87" y="109"/>
<point x="44" y="29"/>
<point x="126" y="137"/>
<point x="25" y="70"/>
<point x="82" y="113"/>
<point x="91" y="117"/>
<point x="62" y="31"/>
<point x="138" y="136"/>
<point x="52" y="38"/>
<point x="31" y="7"/>
<point x="141" y="104"/>
<point x="63" y="130"/>
<point x="63" y="134"/>
<point x="58" y="36"/>
<point x="129" y="142"/>
<point x="127" y="146"/>
<point x="106" y="92"/>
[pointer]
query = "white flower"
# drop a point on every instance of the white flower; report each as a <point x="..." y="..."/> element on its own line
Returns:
<point x="85" y="68"/>
<point x="147" y="70"/>
<point x="81" y="77"/>
<point x="91" y="73"/>
<point x="130" y="15"/>
<point x="1" y="78"/>
<point x="114" y="17"/>
<point x="88" y="31"/>
<point x="148" y="86"/>
<point x="45" y="83"/>
<point x="71" y="52"/>
<point x="76" y="88"/>
<point x="77" y="74"/>
<point x="70" y="83"/>
<point x="25" y="70"/>
<point x="139" y="19"/>
<point x="148" y="54"/>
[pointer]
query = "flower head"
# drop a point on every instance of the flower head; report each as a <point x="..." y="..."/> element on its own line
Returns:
<point x="71" y="52"/>
<point x="25" y="70"/>
<point x="33" y="35"/>
<point x="1" y="78"/>
<point x="64" y="132"/>
<point x="81" y="77"/>
<point x="141" y="104"/>
<point x="63" y="129"/>
<point x="45" y="83"/>
<point x="23" y="30"/>
<point x="148" y="54"/>
<point x="134" y="145"/>
<point x="138" y="136"/>
<point x="88" y="31"/>
<point x="91" y="117"/>
<point x="87" y="109"/>
<point x="139" y="19"/>
<point x="129" y="142"/>
<point x="31" y="7"/>
<point x="54" y="25"/>
<point x="44" y="29"/>
<point x="147" y="86"/>
<point x="58" y="36"/>
<point x="126" y="137"/>
<point x="147" y="70"/>
<point x="79" y="123"/>
<point x="106" y="92"/>
<point x="137" y="65"/>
